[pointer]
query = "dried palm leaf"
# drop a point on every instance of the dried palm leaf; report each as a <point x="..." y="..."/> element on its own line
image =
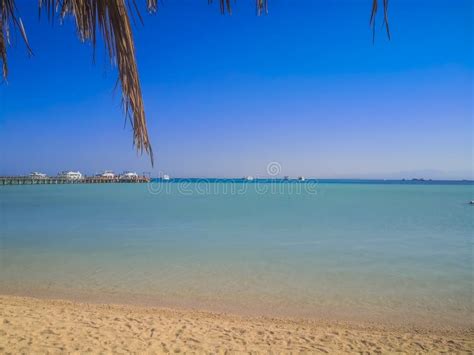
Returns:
<point x="373" y="14"/>
<point x="111" y="19"/>
<point x="261" y="5"/>
<point x="8" y="17"/>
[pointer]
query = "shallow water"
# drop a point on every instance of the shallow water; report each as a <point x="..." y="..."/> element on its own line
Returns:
<point x="351" y="251"/>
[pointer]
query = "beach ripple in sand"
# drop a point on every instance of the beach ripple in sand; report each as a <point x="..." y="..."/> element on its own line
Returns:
<point x="30" y="325"/>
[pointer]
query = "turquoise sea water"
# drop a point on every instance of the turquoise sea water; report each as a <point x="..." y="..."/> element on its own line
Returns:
<point x="352" y="251"/>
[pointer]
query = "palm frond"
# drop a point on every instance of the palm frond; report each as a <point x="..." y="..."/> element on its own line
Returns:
<point x="262" y="6"/>
<point x="225" y="5"/>
<point x="8" y="17"/>
<point x="3" y="51"/>
<point x="373" y="15"/>
<point x="152" y="5"/>
<point x="111" y="19"/>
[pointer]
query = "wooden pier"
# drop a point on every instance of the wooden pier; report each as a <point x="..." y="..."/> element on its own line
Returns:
<point x="27" y="180"/>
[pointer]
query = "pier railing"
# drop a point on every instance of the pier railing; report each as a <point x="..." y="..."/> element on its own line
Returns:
<point x="28" y="180"/>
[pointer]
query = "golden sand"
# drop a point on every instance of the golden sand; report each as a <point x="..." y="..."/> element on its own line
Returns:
<point x="29" y="325"/>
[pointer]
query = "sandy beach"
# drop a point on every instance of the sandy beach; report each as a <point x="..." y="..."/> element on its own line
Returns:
<point x="29" y="325"/>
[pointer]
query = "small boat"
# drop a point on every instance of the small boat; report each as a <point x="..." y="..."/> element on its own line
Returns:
<point x="37" y="175"/>
<point x="129" y="175"/>
<point x="166" y="177"/>
<point x="71" y="175"/>
<point x="108" y="174"/>
<point x="471" y="202"/>
<point x="301" y="178"/>
<point x="248" y="178"/>
<point x="286" y="178"/>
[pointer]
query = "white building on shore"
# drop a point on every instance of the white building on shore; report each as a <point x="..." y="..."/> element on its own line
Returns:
<point x="71" y="175"/>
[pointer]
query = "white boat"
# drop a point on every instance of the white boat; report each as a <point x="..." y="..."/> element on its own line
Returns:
<point x="301" y="178"/>
<point x="71" y="175"/>
<point x="37" y="175"/>
<point x="129" y="175"/>
<point x="248" y="178"/>
<point x="166" y="177"/>
<point x="107" y="174"/>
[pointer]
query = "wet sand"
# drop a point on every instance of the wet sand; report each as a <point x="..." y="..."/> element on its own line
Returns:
<point x="31" y="325"/>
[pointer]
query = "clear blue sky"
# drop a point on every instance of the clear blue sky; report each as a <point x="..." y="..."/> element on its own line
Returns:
<point x="226" y="95"/>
